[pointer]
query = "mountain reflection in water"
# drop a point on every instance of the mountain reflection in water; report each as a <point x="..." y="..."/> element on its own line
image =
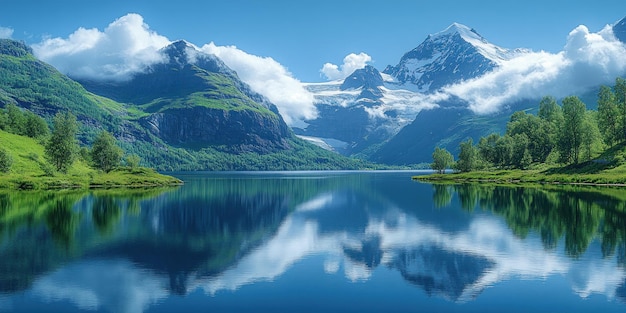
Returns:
<point x="130" y="251"/>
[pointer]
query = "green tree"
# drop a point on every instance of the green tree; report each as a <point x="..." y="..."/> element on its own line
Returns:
<point x="536" y="130"/>
<point x="132" y="161"/>
<point x="35" y="126"/>
<point x="442" y="159"/>
<point x="608" y="116"/>
<point x="468" y="157"/>
<point x="620" y="99"/>
<point x="504" y="151"/>
<point x="549" y="110"/>
<point x="62" y="146"/>
<point x="105" y="154"/>
<point x="487" y="148"/>
<point x="521" y="157"/>
<point x="6" y="161"/>
<point x="591" y="137"/>
<point x="16" y="119"/>
<point x="571" y="132"/>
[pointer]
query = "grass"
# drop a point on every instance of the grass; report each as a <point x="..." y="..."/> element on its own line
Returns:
<point x="615" y="176"/>
<point x="27" y="171"/>
<point x="609" y="168"/>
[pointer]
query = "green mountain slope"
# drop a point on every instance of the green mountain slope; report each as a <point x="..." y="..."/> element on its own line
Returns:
<point x="179" y="115"/>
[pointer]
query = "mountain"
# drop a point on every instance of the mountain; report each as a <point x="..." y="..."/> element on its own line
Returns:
<point x="452" y="55"/>
<point x="359" y="112"/>
<point x="193" y="99"/>
<point x="446" y="126"/>
<point x="189" y="113"/>
<point x="371" y="111"/>
<point x="619" y="29"/>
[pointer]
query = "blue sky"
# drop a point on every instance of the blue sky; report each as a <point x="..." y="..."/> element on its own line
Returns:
<point x="303" y="35"/>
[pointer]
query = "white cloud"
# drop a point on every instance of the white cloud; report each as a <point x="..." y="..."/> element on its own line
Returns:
<point x="125" y="47"/>
<point x="271" y="79"/>
<point x="351" y="63"/>
<point x="5" y="32"/>
<point x="128" y="46"/>
<point x="588" y="60"/>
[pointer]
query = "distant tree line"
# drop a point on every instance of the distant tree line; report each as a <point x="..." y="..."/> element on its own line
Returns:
<point x="565" y="134"/>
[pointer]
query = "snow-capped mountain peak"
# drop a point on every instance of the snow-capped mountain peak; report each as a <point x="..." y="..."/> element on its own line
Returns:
<point x="457" y="28"/>
<point x="488" y="50"/>
<point x="450" y="56"/>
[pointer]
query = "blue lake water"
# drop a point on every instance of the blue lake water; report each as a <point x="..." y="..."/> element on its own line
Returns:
<point x="314" y="242"/>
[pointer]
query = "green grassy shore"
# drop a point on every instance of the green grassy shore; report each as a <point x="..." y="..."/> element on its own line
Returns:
<point x="27" y="171"/>
<point x="590" y="173"/>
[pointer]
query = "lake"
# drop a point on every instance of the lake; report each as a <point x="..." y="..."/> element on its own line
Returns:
<point x="314" y="242"/>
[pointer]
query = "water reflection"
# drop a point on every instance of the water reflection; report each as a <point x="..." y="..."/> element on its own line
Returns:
<point x="127" y="252"/>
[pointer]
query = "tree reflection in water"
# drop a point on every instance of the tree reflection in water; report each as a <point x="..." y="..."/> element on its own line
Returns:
<point x="576" y="214"/>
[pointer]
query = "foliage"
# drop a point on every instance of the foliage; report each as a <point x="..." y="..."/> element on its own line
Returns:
<point x="6" y="161"/>
<point x="105" y="154"/>
<point x="16" y="121"/>
<point x="442" y="159"/>
<point x="132" y="161"/>
<point x="571" y="133"/>
<point x="29" y="171"/>
<point x="608" y="116"/>
<point x="572" y="216"/>
<point x="468" y="157"/>
<point x="62" y="146"/>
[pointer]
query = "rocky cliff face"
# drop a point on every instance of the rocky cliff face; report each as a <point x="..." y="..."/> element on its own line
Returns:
<point x="195" y="101"/>
<point x="239" y="131"/>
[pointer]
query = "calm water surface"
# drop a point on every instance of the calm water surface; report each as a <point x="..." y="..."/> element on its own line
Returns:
<point x="314" y="242"/>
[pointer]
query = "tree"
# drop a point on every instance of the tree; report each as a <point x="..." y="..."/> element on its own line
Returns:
<point x="520" y="156"/>
<point x="504" y="151"/>
<point x="6" y="161"/>
<point x="16" y="119"/>
<point x="61" y="148"/>
<point x="105" y="153"/>
<point x="468" y="157"/>
<point x="549" y="110"/>
<point x="537" y="132"/>
<point x="591" y="138"/>
<point x="35" y="126"/>
<point x="608" y="116"/>
<point x="442" y="159"/>
<point x="487" y="148"/>
<point x="571" y="132"/>
<point x="620" y="99"/>
<point x="133" y="160"/>
<point x="551" y="116"/>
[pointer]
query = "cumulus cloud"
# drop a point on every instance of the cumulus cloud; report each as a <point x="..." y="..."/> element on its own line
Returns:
<point x="587" y="60"/>
<point x="5" y="32"/>
<point x="351" y="63"/>
<point x="271" y="79"/>
<point x="127" y="46"/>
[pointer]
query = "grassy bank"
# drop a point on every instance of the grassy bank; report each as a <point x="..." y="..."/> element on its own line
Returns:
<point x="615" y="177"/>
<point x="30" y="171"/>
